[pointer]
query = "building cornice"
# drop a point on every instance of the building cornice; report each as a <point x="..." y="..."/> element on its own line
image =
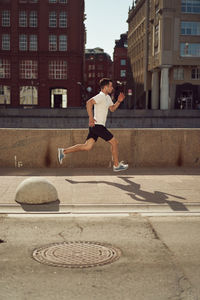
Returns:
<point x="134" y="10"/>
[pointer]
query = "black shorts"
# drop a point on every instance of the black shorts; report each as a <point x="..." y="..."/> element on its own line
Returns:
<point x="99" y="131"/>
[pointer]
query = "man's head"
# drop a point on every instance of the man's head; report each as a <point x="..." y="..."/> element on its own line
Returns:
<point x="106" y="85"/>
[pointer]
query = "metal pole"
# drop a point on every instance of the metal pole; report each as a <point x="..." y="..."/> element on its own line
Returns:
<point x="146" y="53"/>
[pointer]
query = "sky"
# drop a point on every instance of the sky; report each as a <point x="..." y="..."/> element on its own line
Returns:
<point x="106" y="20"/>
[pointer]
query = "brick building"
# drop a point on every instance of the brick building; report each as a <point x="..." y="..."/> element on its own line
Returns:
<point x="164" y="50"/>
<point x="98" y="64"/>
<point x="41" y="52"/>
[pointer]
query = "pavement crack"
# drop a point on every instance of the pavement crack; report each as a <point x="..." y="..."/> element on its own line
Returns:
<point x="61" y="235"/>
<point x="80" y="228"/>
<point x="2" y="241"/>
<point x="186" y="291"/>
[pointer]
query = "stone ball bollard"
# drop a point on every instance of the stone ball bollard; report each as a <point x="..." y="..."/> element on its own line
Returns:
<point x="36" y="190"/>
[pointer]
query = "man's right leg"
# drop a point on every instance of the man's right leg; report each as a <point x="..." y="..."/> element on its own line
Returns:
<point x="79" y="147"/>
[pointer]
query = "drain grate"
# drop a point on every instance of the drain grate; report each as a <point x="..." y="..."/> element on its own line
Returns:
<point x="78" y="254"/>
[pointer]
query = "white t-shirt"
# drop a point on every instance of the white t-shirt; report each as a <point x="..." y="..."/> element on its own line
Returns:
<point x="103" y="102"/>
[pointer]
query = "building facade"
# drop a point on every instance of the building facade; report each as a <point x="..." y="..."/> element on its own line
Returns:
<point x="41" y="52"/>
<point x="164" y="50"/>
<point x="121" y="71"/>
<point x="98" y="64"/>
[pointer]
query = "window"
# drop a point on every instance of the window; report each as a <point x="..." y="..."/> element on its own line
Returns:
<point x="190" y="50"/>
<point x="100" y="74"/>
<point x="4" y="68"/>
<point x="52" y="43"/>
<point x="33" y="42"/>
<point x="99" y="67"/>
<point x="123" y="62"/>
<point x="63" y="43"/>
<point x="22" y="19"/>
<point x="57" y="1"/>
<point x="28" y="95"/>
<point x="28" y="69"/>
<point x="190" y="28"/>
<point x="4" y="94"/>
<point x="5" y="41"/>
<point x="157" y="8"/>
<point x="178" y="74"/>
<point x="5" y="18"/>
<point x="23" y="42"/>
<point x="52" y="19"/>
<point x="123" y="73"/>
<point x="58" y="69"/>
<point x="91" y="67"/>
<point x="156" y="39"/>
<point x="190" y="6"/>
<point x="195" y="74"/>
<point x="100" y="57"/>
<point x="28" y="1"/>
<point x="63" y="19"/>
<point x="33" y="19"/>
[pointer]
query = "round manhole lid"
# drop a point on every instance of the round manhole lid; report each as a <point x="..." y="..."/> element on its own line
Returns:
<point x="78" y="254"/>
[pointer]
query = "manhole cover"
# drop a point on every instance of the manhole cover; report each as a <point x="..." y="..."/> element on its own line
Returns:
<point x="76" y="254"/>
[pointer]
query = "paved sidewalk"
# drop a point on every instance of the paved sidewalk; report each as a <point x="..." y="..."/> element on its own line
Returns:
<point x="174" y="188"/>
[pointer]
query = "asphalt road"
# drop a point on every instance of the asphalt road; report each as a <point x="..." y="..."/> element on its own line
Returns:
<point x="160" y="258"/>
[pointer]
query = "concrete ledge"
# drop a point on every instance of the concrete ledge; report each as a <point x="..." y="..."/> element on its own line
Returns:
<point x="99" y="209"/>
<point x="36" y="148"/>
<point x="78" y="118"/>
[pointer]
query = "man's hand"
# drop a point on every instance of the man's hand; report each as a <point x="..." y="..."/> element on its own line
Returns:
<point x="92" y="122"/>
<point x="121" y="97"/>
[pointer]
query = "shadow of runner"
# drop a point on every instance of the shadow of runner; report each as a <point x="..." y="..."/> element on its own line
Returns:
<point x="53" y="206"/>
<point x="134" y="191"/>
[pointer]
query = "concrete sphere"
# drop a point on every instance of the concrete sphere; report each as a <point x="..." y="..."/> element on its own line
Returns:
<point x="36" y="190"/>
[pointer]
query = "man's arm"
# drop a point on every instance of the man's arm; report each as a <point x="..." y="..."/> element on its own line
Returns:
<point x="117" y="103"/>
<point x="89" y="106"/>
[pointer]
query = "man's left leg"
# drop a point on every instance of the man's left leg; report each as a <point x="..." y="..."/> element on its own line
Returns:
<point x="115" y="155"/>
<point x="114" y="150"/>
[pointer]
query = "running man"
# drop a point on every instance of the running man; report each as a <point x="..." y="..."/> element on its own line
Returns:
<point x="101" y="102"/>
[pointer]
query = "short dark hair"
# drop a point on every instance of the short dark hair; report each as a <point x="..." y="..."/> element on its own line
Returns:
<point x="104" y="81"/>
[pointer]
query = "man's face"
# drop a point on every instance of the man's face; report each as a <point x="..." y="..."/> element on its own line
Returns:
<point x="109" y="88"/>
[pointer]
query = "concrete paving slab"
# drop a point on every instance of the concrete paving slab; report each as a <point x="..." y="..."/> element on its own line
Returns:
<point x="178" y="189"/>
<point x="160" y="259"/>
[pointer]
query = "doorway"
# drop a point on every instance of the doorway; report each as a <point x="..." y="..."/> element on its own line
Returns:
<point x="58" y="98"/>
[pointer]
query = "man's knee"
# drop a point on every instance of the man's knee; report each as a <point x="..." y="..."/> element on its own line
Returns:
<point x="114" y="141"/>
<point x="88" y="146"/>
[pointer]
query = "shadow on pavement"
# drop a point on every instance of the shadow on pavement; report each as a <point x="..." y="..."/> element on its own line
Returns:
<point x="134" y="191"/>
<point x="53" y="206"/>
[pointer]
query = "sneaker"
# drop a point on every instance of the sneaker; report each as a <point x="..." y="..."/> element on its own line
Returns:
<point x="121" y="167"/>
<point x="61" y="155"/>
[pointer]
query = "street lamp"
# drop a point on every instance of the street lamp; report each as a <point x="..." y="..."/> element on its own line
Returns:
<point x="82" y="93"/>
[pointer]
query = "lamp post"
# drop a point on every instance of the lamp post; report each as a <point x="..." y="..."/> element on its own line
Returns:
<point x="82" y="87"/>
<point x="32" y="92"/>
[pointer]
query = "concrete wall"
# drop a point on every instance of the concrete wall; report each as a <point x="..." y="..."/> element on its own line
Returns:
<point x="35" y="148"/>
<point x="77" y="118"/>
